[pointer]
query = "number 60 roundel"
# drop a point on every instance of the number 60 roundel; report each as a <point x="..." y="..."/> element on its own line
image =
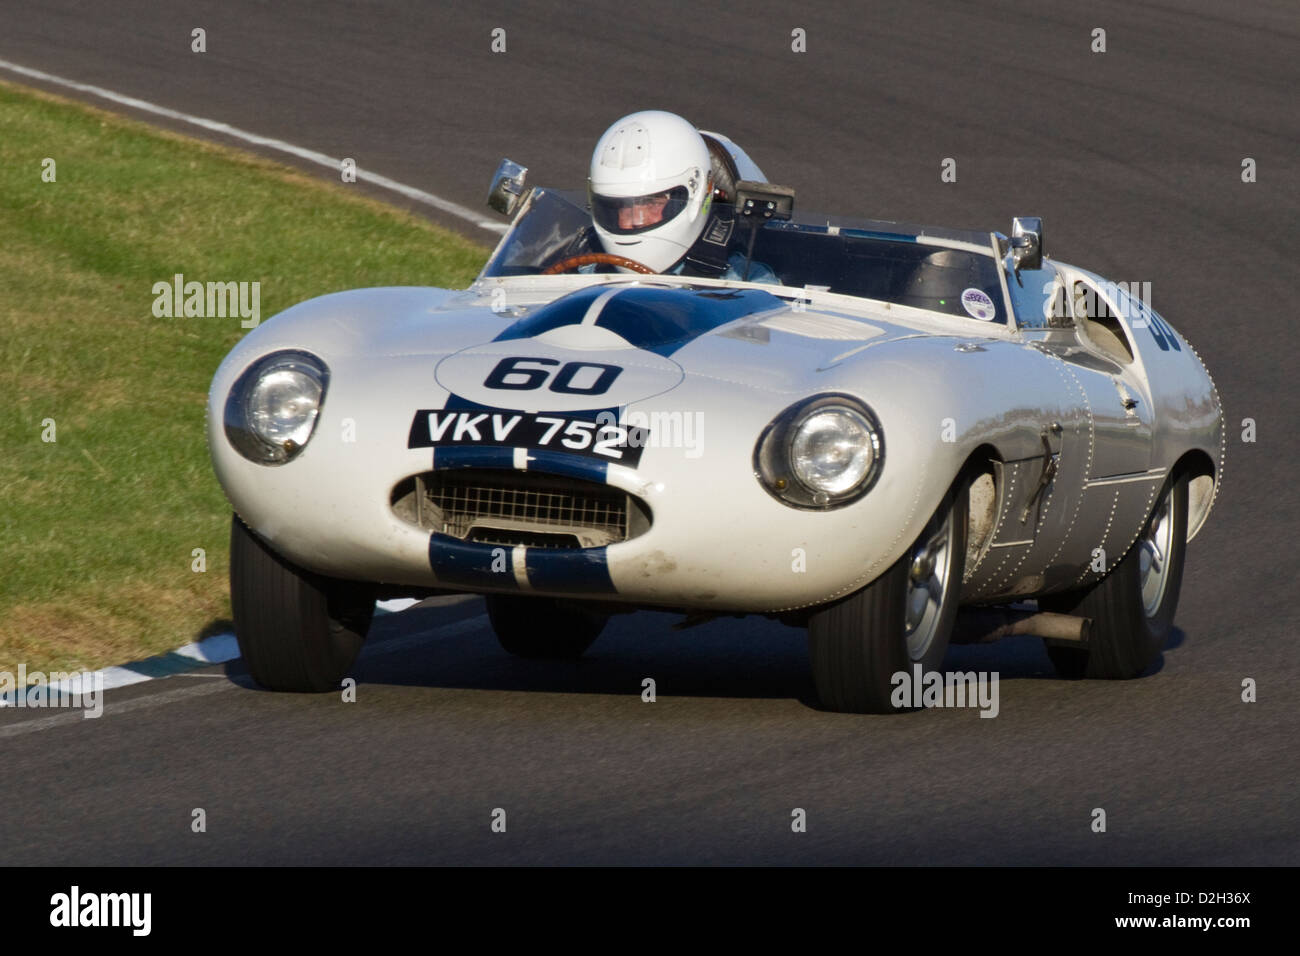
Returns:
<point x="520" y="373"/>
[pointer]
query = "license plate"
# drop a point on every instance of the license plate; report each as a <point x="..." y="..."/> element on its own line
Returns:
<point x="602" y="438"/>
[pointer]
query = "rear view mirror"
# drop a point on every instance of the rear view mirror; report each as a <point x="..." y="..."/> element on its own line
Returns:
<point x="1027" y="242"/>
<point x="507" y="190"/>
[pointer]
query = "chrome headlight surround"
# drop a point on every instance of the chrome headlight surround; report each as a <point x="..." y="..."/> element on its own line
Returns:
<point x="269" y="439"/>
<point x="782" y="477"/>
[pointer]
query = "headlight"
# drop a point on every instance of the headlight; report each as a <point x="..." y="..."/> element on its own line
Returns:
<point x="272" y="408"/>
<point x="821" y="453"/>
<point x="832" y="450"/>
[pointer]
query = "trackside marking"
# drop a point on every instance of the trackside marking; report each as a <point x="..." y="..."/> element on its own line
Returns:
<point x="311" y="155"/>
<point x="126" y="706"/>
<point x="454" y="629"/>
<point x="394" y="605"/>
<point x="212" y="650"/>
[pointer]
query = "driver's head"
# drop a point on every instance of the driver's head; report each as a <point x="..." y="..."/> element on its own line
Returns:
<point x="650" y="188"/>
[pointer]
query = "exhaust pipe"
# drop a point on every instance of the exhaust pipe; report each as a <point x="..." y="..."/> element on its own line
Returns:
<point x="982" y="625"/>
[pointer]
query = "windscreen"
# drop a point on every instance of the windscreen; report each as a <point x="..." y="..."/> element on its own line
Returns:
<point x="900" y="268"/>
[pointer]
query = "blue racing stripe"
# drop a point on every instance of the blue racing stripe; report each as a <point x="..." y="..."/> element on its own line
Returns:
<point x="490" y="567"/>
<point x="584" y="571"/>
<point x="473" y="456"/>
<point x="655" y="319"/>
<point x="470" y="565"/>
<point x="571" y="466"/>
<point x="503" y="459"/>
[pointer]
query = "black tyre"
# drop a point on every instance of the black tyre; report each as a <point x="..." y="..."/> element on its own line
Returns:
<point x="901" y="619"/>
<point x="297" y="631"/>
<point x="543" y="628"/>
<point x="1132" y="607"/>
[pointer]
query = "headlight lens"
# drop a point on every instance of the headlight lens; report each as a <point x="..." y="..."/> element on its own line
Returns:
<point x="832" y="450"/>
<point x="282" y="406"/>
<point x="822" y="453"/>
<point x="273" y="407"/>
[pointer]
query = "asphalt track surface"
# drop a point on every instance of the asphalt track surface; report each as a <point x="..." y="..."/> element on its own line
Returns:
<point x="1132" y="157"/>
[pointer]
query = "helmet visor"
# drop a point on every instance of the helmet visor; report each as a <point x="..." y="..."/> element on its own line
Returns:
<point x="632" y="214"/>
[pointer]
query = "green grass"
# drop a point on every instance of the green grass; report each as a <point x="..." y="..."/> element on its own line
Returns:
<point x="97" y="528"/>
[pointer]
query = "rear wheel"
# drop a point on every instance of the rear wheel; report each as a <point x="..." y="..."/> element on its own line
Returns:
<point x="543" y="628"/>
<point x="297" y="631"/>
<point x="1132" y="607"/>
<point x="901" y="619"/>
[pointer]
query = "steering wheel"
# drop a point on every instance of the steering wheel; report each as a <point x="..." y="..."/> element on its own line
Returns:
<point x="599" y="259"/>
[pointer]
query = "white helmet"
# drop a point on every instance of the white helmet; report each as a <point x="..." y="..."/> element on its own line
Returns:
<point x="650" y="188"/>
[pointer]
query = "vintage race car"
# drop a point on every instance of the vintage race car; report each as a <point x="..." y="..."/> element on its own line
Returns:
<point x="910" y="422"/>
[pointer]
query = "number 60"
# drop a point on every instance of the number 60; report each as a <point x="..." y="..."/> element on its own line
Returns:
<point x="512" y="373"/>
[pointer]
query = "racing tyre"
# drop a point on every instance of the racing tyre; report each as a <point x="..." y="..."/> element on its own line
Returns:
<point x="901" y="619"/>
<point x="1132" y="607"/>
<point x="543" y="628"/>
<point x="297" y="631"/>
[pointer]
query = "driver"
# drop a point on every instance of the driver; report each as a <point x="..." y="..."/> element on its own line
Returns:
<point x="653" y="181"/>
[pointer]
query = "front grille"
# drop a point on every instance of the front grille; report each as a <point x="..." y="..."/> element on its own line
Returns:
<point x="521" y="508"/>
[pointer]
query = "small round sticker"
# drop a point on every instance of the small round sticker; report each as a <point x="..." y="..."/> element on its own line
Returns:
<point x="978" y="305"/>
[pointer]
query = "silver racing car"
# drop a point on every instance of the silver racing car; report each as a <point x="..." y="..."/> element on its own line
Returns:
<point x="893" y="436"/>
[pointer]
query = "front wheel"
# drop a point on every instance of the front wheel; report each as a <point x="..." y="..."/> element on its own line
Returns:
<point x="902" y="619"/>
<point x="1132" y="607"/>
<point x="297" y="631"/>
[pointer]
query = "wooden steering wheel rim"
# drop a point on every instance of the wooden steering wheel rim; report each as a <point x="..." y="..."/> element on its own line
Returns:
<point x="599" y="259"/>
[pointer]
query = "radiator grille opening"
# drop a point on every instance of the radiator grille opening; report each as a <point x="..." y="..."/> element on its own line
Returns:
<point x="529" y="539"/>
<point x="521" y="508"/>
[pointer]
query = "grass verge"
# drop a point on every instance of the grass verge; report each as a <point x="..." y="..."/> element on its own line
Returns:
<point x="98" y="528"/>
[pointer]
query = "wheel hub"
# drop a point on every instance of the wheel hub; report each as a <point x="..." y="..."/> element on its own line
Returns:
<point x="926" y="582"/>
<point x="1153" y="558"/>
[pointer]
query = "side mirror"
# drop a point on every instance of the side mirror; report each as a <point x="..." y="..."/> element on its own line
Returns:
<point x="1027" y="242"/>
<point x="507" y="190"/>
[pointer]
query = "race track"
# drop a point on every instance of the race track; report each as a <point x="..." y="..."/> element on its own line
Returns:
<point x="1133" y="158"/>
